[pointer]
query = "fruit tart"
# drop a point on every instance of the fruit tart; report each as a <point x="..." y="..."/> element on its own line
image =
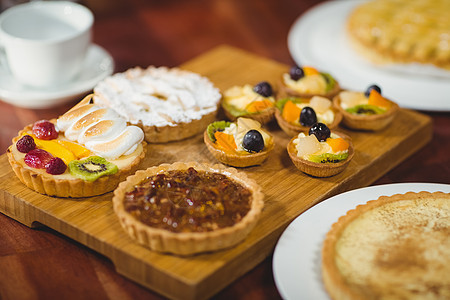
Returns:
<point x="85" y="152"/>
<point x="321" y="153"/>
<point x="169" y="104"/>
<point x="365" y="111"/>
<point x="395" y="247"/>
<point x="188" y="208"/>
<point x="307" y="81"/>
<point x="242" y="143"/>
<point x="295" y="115"/>
<point x="255" y="102"/>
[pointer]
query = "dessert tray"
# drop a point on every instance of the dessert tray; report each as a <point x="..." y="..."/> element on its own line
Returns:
<point x="92" y="222"/>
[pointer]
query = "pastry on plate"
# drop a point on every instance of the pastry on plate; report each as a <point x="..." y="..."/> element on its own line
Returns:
<point x="169" y="104"/>
<point x="188" y="208"/>
<point x="256" y="102"/>
<point x="367" y="110"/>
<point x="402" y="32"/>
<point x="395" y="247"/>
<point x="85" y="152"/>
<point x="321" y="152"/>
<point x="306" y="82"/>
<point x="240" y="144"/>
<point x="295" y="115"/>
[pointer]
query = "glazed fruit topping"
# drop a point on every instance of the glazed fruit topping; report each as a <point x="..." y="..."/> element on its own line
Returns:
<point x="45" y="130"/>
<point x="321" y="131"/>
<point x="253" y="141"/>
<point x="296" y="73"/>
<point x="37" y="158"/>
<point x="55" y="166"/>
<point x="263" y="88"/>
<point x="308" y="116"/>
<point x="26" y="144"/>
<point x="370" y="88"/>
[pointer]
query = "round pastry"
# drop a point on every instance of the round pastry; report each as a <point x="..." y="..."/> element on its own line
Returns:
<point x="306" y="82"/>
<point x="168" y="104"/>
<point x="321" y="153"/>
<point x="395" y="247"/>
<point x="402" y="32"/>
<point x="240" y="144"/>
<point x="295" y="115"/>
<point x="188" y="208"/>
<point x="85" y="152"/>
<point x="365" y="111"/>
<point x="255" y="102"/>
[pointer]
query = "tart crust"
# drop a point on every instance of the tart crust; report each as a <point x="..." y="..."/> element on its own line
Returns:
<point x="262" y="117"/>
<point x="188" y="243"/>
<point x="366" y="122"/>
<point x="47" y="184"/>
<point x="285" y="91"/>
<point x="396" y="247"/>
<point x="320" y="169"/>
<point x="236" y="160"/>
<point x="293" y="130"/>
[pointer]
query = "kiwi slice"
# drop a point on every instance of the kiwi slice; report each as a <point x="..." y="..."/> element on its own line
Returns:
<point x="328" y="157"/>
<point x="91" y="168"/>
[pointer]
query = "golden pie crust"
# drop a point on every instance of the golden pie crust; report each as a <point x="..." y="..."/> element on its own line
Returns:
<point x="237" y="160"/>
<point x="402" y="31"/>
<point x="320" y="169"/>
<point x="367" y="122"/>
<point x="293" y="129"/>
<point x="188" y="243"/>
<point x="395" y="247"/>
<point x="285" y="91"/>
<point x="47" y="184"/>
<point x="262" y="117"/>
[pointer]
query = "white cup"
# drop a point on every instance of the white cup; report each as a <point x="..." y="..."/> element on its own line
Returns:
<point x="45" y="42"/>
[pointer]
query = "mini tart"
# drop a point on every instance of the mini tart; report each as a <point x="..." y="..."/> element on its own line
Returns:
<point x="320" y="169"/>
<point x="395" y="247"/>
<point x="232" y="113"/>
<point x="366" y="122"/>
<point x="66" y="185"/>
<point x="235" y="159"/>
<point x="188" y="242"/>
<point x="169" y="104"/>
<point x="286" y="91"/>
<point x="294" y="129"/>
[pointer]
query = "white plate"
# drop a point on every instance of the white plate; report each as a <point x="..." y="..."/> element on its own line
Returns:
<point x="297" y="261"/>
<point x="317" y="38"/>
<point x="98" y="65"/>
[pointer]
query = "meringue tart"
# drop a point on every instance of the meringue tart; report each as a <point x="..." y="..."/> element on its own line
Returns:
<point x="242" y="143"/>
<point x="169" y="104"/>
<point x="395" y="247"/>
<point x="85" y="152"/>
<point x="188" y="208"/>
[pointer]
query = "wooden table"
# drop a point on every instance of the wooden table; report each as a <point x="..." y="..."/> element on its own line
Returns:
<point x="43" y="264"/>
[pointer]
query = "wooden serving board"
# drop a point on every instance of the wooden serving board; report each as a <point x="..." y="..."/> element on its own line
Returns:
<point x="288" y="192"/>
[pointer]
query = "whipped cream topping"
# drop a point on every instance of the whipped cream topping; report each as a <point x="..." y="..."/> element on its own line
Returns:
<point x="100" y="130"/>
<point x="158" y="96"/>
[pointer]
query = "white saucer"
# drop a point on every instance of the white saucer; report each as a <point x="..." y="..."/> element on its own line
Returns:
<point x="318" y="38"/>
<point x="98" y="65"/>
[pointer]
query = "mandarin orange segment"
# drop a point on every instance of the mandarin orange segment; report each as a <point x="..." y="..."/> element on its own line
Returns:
<point x="261" y="105"/>
<point x="225" y="141"/>
<point x="291" y="112"/>
<point x="337" y="144"/>
<point x="310" y="71"/>
<point x="76" y="149"/>
<point x="55" y="149"/>
<point x="376" y="99"/>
